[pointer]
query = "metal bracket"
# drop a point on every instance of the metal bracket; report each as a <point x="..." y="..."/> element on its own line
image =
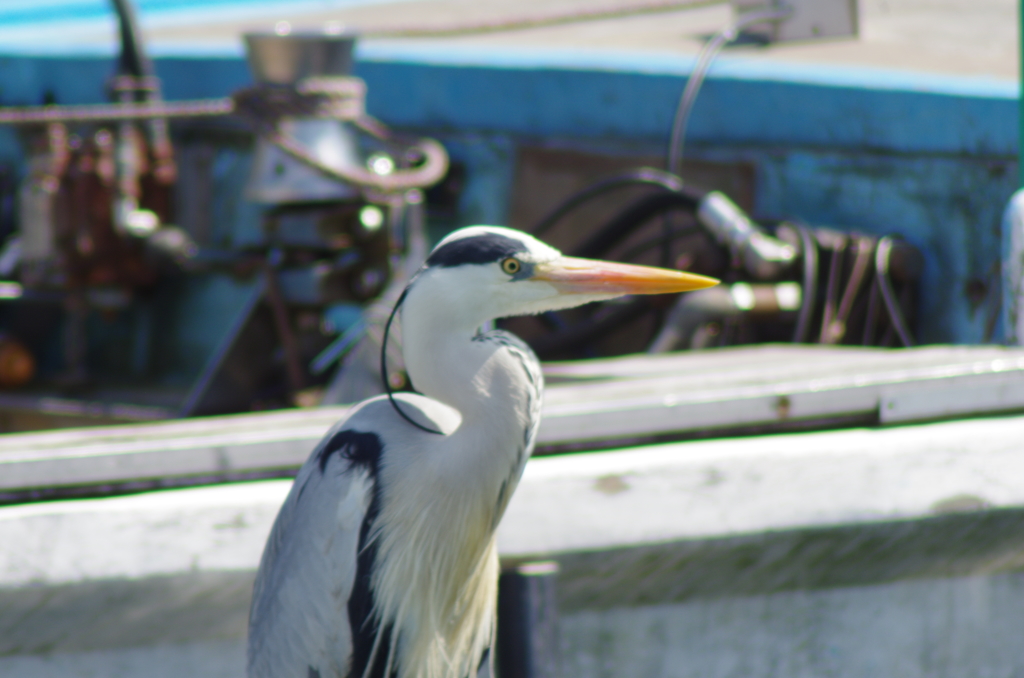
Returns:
<point x="810" y="19"/>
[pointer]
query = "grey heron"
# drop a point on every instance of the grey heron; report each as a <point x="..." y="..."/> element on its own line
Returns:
<point x="382" y="561"/>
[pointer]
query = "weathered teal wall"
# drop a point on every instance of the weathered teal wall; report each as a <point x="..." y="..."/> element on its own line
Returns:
<point x="930" y="158"/>
<point x="927" y="157"/>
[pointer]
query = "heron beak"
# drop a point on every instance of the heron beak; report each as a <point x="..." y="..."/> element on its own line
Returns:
<point x="570" y="275"/>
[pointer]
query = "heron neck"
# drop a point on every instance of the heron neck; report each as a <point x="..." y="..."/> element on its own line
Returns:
<point x="446" y="364"/>
<point x="447" y="361"/>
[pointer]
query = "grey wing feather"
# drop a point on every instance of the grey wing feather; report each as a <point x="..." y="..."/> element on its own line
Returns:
<point x="298" y="622"/>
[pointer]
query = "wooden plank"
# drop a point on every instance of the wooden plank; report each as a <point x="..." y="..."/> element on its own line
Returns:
<point x="215" y="447"/>
<point x="770" y="361"/>
<point x="644" y="526"/>
<point x="597" y="403"/>
<point x="735" y="388"/>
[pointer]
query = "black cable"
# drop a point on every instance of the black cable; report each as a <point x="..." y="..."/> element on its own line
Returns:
<point x="832" y="289"/>
<point x="644" y="176"/>
<point x="673" y="194"/>
<point x="700" y="70"/>
<point x="810" y="283"/>
<point x="863" y="256"/>
<point x="636" y="213"/>
<point x="871" y="316"/>
<point x="136" y="81"/>
<point x="663" y="238"/>
<point x="689" y="95"/>
<point x="133" y="60"/>
<point x="899" y="323"/>
<point x="384" y="366"/>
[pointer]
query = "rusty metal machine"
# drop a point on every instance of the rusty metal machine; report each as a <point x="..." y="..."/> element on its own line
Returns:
<point x="116" y="267"/>
<point x="339" y="197"/>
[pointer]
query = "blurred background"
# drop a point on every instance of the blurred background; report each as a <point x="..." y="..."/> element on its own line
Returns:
<point x="208" y="210"/>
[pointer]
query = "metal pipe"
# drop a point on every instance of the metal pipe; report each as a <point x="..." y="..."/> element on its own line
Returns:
<point x="36" y="115"/>
<point x="763" y="256"/>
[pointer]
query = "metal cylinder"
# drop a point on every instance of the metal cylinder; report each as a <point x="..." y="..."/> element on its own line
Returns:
<point x="763" y="256"/>
<point x="277" y="59"/>
<point x="284" y="61"/>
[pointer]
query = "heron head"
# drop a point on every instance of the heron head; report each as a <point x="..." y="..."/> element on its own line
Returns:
<point x="492" y="272"/>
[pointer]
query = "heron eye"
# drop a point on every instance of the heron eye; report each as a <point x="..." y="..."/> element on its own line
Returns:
<point x="511" y="265"/>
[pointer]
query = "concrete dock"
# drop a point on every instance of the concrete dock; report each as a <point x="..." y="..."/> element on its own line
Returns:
<point x="893" y="547"/>
<point x="882" y="550"/>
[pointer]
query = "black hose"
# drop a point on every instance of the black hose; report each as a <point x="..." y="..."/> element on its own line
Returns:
<point x="892" y="306"/>
<point x="671" y="194"/>
<point x="871" y="316"/>
<point x="700" y="70"/>
<point x="133" y="60"/>
<point x="636" y="213"/>
<point x="832" y="289"/>
<point x="615" y="230"/>
<point x="810" y="283"/>
<point x="667" y="236"/>
<point x="136" y="72"/>
<point x="643" y="176"/>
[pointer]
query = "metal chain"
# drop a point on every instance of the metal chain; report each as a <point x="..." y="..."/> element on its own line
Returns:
<point x="339" y="98"/>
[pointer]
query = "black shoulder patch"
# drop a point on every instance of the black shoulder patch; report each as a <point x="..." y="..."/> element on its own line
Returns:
<point x="360" y="449"/>
<point x="369" y="654"/>
<point x="363" y="449"/>
<point x="478" y="249"/>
